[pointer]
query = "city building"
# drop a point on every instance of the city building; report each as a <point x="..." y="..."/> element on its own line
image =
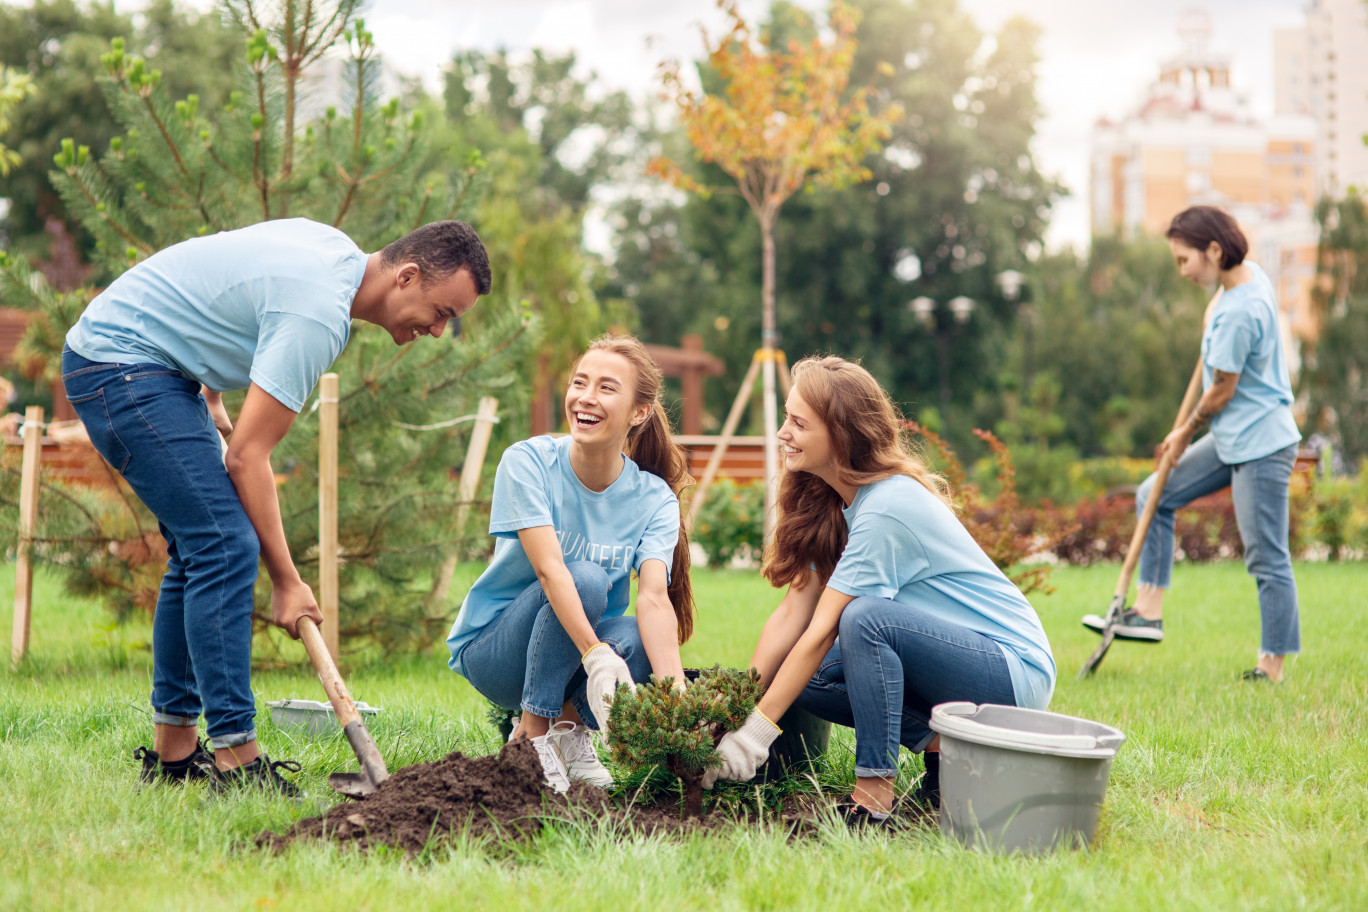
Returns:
<point x="1193" y="139"/>
<point x="1321" y="71"/>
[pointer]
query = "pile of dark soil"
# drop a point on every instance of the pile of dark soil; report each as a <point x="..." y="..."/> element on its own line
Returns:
<point x="501" y="795"/>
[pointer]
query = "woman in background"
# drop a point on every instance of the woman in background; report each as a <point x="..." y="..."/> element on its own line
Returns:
<point x="1247" y="400"/>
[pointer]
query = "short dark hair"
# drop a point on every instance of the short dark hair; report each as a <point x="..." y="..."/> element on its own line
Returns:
<point x="1198" y="226"/>
<point x="442" y="249"/>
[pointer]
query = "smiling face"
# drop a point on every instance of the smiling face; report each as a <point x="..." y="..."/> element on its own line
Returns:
<point x="1200" y="266"/>
<point x="417" y="309"/>
<point x="600" y="401"/>
<point x="804" y="441"/>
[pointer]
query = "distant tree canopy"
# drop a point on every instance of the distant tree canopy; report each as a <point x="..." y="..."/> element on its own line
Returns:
<point x="1336" y="372"/>
<point x="58" y="43"/>
<point x="954" y="199"/>
<point x="549" y="142"/>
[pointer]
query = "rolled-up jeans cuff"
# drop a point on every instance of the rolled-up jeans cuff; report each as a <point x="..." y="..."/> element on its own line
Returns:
<point x="538" y="711"/>
<point x="864" y="772"/>
<point x="161" y="718"/>
<point x="232" y="739"/>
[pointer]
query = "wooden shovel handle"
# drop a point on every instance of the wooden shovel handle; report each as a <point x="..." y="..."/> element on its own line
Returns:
<point x="338" y="695"/>
<point x="1194" y="392"/>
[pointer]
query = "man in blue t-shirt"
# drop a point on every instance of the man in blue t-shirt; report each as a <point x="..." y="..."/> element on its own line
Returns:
<point x="266" y="308"/>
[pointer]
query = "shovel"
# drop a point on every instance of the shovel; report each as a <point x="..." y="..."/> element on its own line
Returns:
<point x="373" y="771"/>
<point x="1118" y="602"/>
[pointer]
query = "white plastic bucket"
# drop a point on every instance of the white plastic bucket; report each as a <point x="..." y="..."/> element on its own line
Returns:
<point x="1025" y="780"/>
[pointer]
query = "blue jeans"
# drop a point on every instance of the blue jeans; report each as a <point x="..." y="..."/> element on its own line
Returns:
<point x="526" y="659"/>
<point x="892" y="663"/>
<point x="1259" y="489"/>
<point x="152" y="425"/>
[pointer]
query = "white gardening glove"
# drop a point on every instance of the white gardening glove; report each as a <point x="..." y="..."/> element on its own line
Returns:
<point x="743" y="750"/>
<point x="606" y="671"/>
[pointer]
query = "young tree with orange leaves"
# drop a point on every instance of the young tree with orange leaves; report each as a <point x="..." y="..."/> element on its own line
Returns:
<point x="785" y="118"/>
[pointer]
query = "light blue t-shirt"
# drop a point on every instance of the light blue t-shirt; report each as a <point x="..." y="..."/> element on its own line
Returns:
<point x="269" y="304"/>
<point x="635" y="520"/>
<point x="906" y="545"/>
<point x="1242" y="338"/>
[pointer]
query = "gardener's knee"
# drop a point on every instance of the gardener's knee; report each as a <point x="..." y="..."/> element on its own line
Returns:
<point x="591" y="582"/>
<point x="860" y="620"/>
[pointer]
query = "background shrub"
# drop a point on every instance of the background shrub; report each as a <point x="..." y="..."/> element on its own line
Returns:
<point x="732" y="521"/>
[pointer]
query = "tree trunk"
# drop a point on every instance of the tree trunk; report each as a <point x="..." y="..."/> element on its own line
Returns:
<point x="693" y="788"/>
<point x="693" y="796"/>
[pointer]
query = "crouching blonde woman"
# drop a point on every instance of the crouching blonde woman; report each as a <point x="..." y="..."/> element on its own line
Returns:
<point x="543" y="628"/>
<point x="891" y="606"/>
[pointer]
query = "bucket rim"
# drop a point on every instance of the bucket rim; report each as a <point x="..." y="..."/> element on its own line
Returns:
<point x="956" y="721"/>
<point x="302" y="705"/>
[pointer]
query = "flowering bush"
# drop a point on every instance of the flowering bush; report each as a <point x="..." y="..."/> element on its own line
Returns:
<point x="731" y="522"/>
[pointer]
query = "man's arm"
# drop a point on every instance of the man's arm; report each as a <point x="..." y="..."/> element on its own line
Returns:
<point x="216" y="410"/>
<point x="261" y="425"/>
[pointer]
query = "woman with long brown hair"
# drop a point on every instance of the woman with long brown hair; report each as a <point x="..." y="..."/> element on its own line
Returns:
<point x="543" y="628"/>
<point x="891" y="606"/>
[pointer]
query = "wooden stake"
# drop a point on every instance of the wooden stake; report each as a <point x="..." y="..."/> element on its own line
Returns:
<point x="475" y="454"/>
<point x="466" y="490"/>
<point x="725" y="438"/>
<point x="327" y="510"/>
<point x="28" y="522"/>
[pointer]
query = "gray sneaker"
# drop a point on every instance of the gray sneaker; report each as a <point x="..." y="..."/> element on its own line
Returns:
<point x="1129" y="626"/>
<point x="582" y="764"/>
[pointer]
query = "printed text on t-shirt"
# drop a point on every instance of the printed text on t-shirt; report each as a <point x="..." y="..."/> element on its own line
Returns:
<point x="611" y="557"/>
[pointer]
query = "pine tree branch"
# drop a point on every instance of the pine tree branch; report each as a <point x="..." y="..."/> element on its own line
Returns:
<point x="118" y="229"/>
<point x="166" y="136"/>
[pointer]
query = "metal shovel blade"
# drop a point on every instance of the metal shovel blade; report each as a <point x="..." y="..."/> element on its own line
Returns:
<point x="1118" y="605"/>
<point x="353" y="785"/>
<point x="373" y="770"/>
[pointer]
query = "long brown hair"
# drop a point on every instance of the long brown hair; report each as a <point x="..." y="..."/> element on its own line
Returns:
<point x="653" y="449"/>
<point x="868" y="444"/>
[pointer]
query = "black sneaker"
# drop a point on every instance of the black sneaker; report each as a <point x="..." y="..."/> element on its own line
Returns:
<point x="197" y="767"/>
<point x="859" y="817"/>
<point x="1129" y="626"/>
<point x="260" y="773"/>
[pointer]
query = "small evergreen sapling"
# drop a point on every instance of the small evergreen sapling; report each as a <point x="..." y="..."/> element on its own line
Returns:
<point x="660" y="724"/>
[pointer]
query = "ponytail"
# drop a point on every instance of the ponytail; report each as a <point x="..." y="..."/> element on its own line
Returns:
<point x="654" y="450"/>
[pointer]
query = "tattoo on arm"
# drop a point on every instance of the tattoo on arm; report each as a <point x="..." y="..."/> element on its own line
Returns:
<point x="1203" y="415"/>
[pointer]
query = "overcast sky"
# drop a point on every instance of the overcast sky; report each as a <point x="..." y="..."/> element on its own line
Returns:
<point x="1097" y="55"/>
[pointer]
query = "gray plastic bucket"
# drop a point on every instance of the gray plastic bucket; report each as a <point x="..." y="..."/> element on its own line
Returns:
<point x="1021" y="780"/>
<point x="311" y="718"/>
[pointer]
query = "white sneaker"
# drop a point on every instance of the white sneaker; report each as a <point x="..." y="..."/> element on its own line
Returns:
<point x="553" y="767"/>
<point x="576" y="745"/>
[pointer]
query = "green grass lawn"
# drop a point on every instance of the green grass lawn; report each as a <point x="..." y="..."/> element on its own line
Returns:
<point x="1226" y="795"/>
